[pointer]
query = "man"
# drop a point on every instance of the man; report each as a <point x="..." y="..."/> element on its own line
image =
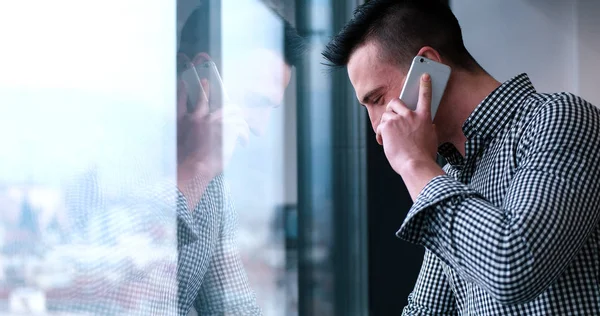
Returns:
<point x="510" y="224"/>
<point x="210" y="273"/>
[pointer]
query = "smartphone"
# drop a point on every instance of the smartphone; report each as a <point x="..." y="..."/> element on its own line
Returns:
<point x="439" y="74"/>
<point x="216" y="94"/>
<point x="194" y="87"/>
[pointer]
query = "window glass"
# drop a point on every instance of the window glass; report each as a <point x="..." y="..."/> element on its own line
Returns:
<point x="167" y="158"/>
<point x="86" y="118"/>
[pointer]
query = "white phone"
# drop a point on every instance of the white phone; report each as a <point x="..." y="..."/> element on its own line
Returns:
<point x="193" y="76"/>
<point x="439" y="74"/>
<point x="217" y="95"/>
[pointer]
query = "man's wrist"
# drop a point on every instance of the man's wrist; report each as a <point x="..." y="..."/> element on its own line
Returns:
<point x="417" y="173"/>
<point x="410" y="167"/>
<point x="193" y="171"/>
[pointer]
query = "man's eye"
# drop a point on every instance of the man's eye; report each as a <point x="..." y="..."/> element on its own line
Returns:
<point x="376" y="101"/>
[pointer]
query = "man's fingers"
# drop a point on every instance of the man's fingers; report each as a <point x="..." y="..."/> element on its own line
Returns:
<point x="382" y="122"/>
<point x="216" y="116"/>
<point x="228" y="113"/>
<point x="229" y="122"/>
<point x="424" y="104"/>
<point x="232" y="110"/>
<point x="235" y="130"/>
<point x="202" y="108"/>
<point x="243" y="133"/>
<point x="398" y="107"/>
<point x="378" y="136"/>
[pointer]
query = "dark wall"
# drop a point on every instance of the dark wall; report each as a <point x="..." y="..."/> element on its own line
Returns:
<point x="394" y="264"/>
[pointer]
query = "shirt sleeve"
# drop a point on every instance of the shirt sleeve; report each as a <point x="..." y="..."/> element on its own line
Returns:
<point x="515" y="251"/>
<point x="225" y="289"/>
<point x="432" y="294"/>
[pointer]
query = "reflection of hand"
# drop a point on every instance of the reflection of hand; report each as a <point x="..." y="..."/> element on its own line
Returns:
<point x="205" y="142"/>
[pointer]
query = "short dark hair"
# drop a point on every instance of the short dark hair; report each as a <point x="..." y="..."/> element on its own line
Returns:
<point x="193" y="37"/>
<point x="400" y="28"/>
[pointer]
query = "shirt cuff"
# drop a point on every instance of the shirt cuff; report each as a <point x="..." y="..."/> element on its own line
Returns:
<point x="431" y="216"/>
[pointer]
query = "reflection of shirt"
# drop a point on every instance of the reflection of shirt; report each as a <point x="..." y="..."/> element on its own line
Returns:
<point x="127" y="265"/>
<point x="210" y="273"/>
<point x="512" y="229"/>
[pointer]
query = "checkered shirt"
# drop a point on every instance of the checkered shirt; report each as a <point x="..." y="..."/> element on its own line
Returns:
<point x="204" y="270"/>
<point x="209" y="270"/>
<point x="512" y="228"/>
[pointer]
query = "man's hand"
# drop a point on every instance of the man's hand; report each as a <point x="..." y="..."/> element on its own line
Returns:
<point x="409" y="139"/>
<point x="205" y="142"/>
<point x="408" y="136"/>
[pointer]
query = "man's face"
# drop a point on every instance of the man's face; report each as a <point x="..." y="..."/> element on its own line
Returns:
<point x="375" y="81"/>
<point x="256" y="82"/>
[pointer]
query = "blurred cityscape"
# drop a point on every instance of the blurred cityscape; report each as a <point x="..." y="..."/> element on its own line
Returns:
<point x="72" y="251"/>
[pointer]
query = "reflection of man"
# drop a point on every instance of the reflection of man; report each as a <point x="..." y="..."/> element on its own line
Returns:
<point x="511" y="223"/>
<point x="210" y="274"/>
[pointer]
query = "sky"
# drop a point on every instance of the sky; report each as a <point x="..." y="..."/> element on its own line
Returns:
<point x="80" y="81"/>
<point x="87" y="85"/>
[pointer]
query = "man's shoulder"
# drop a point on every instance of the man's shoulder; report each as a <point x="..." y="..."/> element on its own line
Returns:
<point x="562" y="110"/>
<point x="555" y="103"/>
<point x="556" y="120"/>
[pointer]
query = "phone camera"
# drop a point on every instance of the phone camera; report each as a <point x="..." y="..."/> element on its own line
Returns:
<point x="421" y="60"/>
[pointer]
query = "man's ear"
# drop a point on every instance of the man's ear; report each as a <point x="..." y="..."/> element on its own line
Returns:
<point x="430" y="53"/>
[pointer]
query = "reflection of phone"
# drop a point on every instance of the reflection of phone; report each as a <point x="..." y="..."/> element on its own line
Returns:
<point x="217" y="95"/>
<point x="194" y="88"/>
<point x="439" y="74"/>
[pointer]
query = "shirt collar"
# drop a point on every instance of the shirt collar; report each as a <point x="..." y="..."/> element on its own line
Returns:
<point x="451" y="154"/>
<point x="497" y="110"/>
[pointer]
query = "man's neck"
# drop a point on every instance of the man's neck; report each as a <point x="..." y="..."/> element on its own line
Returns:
<point x="467" y="90"/>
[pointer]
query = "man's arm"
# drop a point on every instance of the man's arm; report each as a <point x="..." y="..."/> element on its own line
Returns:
<point x="432" y="294"/>
<point x="517" y="250"/>
<point x="225" y="289"/>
